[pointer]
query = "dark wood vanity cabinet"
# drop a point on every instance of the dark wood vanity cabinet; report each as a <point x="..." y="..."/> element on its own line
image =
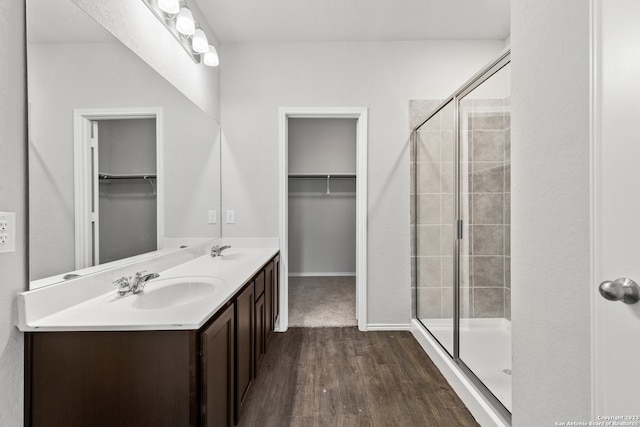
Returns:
<point x="217" y="358"/>
<point x="151" y="378"/>
<point x="272" y="297"/>
<point x="261" y="317"/>
<point x="268" y="301"/>
<point x="276" y="288"/>
<point x="245" y="341"/>
<point x="124" y="378"/>
<point x="260" y="344"/>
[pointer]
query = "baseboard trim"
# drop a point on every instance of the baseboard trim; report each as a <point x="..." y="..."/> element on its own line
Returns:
<point x="388" y="327"/>
<point x="339" y="274"/>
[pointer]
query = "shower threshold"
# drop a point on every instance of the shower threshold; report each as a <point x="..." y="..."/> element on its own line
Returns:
<point x="485" y="347"/>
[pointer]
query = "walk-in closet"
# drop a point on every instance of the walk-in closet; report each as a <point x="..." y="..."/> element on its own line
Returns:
<point x="322" y="221"/>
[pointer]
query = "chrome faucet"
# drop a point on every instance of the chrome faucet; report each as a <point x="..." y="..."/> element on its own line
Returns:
<point x="217" y="250"/>
<point x="132" y="285"/>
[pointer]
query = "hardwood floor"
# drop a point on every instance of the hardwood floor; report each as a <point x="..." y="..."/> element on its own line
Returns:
<point x="344" y="377"/>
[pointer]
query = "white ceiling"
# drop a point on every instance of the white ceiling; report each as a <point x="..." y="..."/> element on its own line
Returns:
<point x="356" y="20"/>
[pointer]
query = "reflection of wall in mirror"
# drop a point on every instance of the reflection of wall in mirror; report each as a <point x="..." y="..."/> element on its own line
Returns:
<point x="63" y="77"/>
<point x="136" y="27"/>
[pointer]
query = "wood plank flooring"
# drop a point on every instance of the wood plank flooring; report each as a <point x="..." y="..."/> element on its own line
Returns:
<point x="344" y="377"/>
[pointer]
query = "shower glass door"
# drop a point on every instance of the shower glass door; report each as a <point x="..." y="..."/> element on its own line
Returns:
<point x="461" y="217"/>
<point x="434" y="220"/>
<point x="485" y="200"/>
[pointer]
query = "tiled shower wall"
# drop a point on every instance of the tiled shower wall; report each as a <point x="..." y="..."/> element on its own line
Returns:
<point x="433" y="216"/>
<point x="485" y="207"/>
<point x="486" y="201"/>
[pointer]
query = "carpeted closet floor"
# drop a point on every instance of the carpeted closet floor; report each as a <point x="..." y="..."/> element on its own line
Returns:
<point x="322" y="301"/>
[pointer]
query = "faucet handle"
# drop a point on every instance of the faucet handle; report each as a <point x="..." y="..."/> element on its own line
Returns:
<point x="123" y="284"/>
<point x="138" y="275"/>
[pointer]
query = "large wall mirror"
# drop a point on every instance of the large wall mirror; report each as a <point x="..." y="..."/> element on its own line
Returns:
<point x="121" y="163"/>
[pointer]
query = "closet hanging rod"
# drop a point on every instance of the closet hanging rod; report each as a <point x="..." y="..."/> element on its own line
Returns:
<point x="327" y="176"/>
<point x="126" y="176"/>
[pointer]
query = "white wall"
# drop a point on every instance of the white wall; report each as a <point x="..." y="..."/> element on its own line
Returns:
<point x="136" y="27"/>
<point x="259" y="78"/>
<point x="66" y="76"/>
<point x="550" y="212"/>
<point x="322" y="145"/>
<point x="13" y="278"/>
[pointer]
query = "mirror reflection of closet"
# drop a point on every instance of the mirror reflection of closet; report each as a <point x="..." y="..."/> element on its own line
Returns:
<point x="127" y="197"/>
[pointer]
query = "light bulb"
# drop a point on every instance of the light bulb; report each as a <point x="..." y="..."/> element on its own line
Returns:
<point x="200" y="43"/>
<point x="184" y="23"/>
<point x="171" y="7"/>
<point x="211" y="57"/>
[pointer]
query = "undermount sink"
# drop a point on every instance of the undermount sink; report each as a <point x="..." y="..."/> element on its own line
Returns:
<point x="173" y="292"/>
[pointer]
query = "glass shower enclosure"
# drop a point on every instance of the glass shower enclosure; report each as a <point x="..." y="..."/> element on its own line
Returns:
<point x="461" y="199"/>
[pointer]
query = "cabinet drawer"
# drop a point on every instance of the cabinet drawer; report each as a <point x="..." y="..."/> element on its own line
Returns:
<point x="259" y="285"/>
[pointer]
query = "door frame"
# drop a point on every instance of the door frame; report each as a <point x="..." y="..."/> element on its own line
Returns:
<point x="595" y="136"/>
<point x="82" y="178"/>
<point x="361" y="115"/>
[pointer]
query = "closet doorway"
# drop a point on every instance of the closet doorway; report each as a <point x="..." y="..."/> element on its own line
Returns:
<point x="323" y="217"/>
<point x="117" y="196"/>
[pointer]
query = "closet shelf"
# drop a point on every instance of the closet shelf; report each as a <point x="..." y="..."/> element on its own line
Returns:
<point x="126" y="176"/>
<point x="327" y="176"/>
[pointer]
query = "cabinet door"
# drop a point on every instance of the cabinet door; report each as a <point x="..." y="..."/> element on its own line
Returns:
<point x="217" y="352"/>
<point x="259" y="284"/>
<point x="276" y="288"/>
<point x="260" y="332"/>
<point x="110" y="378"/>
<point x="268" y="301"/>
<point x="245" y="324"/>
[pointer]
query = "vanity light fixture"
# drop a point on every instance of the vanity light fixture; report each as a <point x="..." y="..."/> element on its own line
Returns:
<point x="199" y="41"/>
<point x="178" y="20"/>
<point x="172" y="7"/>
<point x="211" y="57"/>
<point x="185" y="23"/>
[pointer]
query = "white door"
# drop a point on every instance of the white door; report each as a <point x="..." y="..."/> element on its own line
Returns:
<point x="617" y="239"/>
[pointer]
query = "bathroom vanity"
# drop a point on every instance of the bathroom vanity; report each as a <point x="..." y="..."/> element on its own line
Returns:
<point x="183" y="352"/>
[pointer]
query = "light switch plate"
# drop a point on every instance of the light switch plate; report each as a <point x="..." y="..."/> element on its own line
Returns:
<point x="212" y="217"/>
<point x="7" y="232"/>
<point x="231" y="217"/>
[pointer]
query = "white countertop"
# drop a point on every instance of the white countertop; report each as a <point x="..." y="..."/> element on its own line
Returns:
<point x="102" y="310"/>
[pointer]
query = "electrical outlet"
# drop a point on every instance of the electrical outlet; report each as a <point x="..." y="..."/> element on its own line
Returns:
<point x="7" y="231"/>
<point x="213" y="217"/>
<point x="231" y="217"/>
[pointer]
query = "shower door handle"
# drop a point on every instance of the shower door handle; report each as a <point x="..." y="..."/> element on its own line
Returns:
<point x="622" y="289"/>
